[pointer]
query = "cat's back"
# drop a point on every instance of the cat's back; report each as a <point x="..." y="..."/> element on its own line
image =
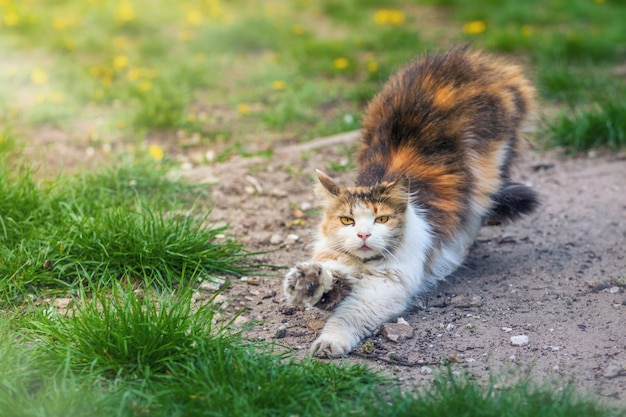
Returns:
<point x="451" y="123"/>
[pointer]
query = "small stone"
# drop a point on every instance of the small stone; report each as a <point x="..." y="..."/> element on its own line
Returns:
<point x="401" y="320"/>
<point x="256" y="185"/>
<point x="396" y="332"/>
<point x="276" y="239"/>
<point x="212" y="285"/>
<point x="507" y="329"/>
<point x="613" y="371"/>
<point x="553" y="348"/>
<point x="291" y="239"/>
<point x="425" y="370"/>
<point x="253" y="280"/>
<point x="281" y="332"/>
<point x="520" y="340"/>
<point x="315" y="325"/>
<point x="450" y="327"/>
<point x="278" y="193"/>
<point x="306" y="206"/>
<point x="62" y="302"/>
<point x="614" y="290"/>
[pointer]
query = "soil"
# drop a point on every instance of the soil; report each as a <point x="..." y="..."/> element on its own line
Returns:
<point x="557" y="277"/>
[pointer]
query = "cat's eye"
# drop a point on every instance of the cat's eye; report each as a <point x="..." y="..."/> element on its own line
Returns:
<point x="346" y="220"/>
<point x="382" y="219"/>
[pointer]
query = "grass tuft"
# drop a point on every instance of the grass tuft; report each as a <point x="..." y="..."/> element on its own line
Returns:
<point x="580" y="130"/>
<point x="127" y="222"/>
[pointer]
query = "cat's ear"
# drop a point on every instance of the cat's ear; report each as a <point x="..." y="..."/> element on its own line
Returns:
<point x="400" y="186"/>
<point x="398" y="190"/>
<point x="327" y="183"/>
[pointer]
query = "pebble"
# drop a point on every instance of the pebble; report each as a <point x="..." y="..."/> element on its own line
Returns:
<point x="520" y="340"/>
<point x="507" y="329"/>
<point x="253" y="280"/>
<point x="395" y="332"/>
<point x="281" y="332"/>
<point x="276" y="239"/>
<point x="425" y="370"/>
<point x="278" y="193"/>
<point x="553" y="348"/>
<point x="315" y="325"/>
<point x="450" y="327"/>
<point x="613" y="290"/>
<point x="62" y="303"/>
<point x="212" y="285"/>
<point x="306" y="206"/>
<point x="291" y="239"/>
<point x="256" y="185"/>
<point x="613" y="371"/>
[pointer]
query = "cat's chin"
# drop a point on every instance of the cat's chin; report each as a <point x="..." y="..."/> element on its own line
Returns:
<point x="366" y="253"/>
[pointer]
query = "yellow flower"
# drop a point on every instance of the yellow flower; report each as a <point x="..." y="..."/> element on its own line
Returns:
<point x="156" y="152"/>
<point x="372" y="66"/>
<point x="390" y="17"/>
<point x="341" y="63"/>
<point x="243" y="108"/>
<point x="69" y="44"/>
<point x="145" y="86"/>
<point x="527" y="30"/>
<point x="474" y="27"/>
<point x="120" y="42"/>
<point x="185" y="35"/>
<point x="59" y="23"/>
<point x="56" y="97"/>
<point x="11" y="18"/>
<point x="133" y="74"/>
<point x="125" y="12"/>
<point x="194" y="17"/>
<point x="120" y="61"/>
<point x="38" y="76"/>
<point x="298" y="29"/>
<point x="278" y="85"/>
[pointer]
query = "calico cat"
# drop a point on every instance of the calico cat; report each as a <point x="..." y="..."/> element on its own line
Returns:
<point x="437" y="146"/>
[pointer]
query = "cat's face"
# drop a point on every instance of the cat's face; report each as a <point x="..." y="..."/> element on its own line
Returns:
<point x="365" y="222"/>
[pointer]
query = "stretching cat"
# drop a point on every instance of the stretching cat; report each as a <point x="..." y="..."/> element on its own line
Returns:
<point x="437" y="146"/>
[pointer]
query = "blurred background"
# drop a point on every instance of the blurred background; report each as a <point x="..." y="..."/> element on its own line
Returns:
<point x="197" y="81"/>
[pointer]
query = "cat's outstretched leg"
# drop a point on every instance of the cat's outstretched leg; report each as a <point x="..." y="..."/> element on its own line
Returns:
<point x="372" y="302"/>
<point x="316" y="284"/>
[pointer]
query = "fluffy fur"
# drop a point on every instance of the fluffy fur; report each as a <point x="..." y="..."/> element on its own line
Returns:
<point x="434" y="165"/>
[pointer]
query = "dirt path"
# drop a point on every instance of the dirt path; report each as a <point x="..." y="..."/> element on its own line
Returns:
<point x="557" y="277"/>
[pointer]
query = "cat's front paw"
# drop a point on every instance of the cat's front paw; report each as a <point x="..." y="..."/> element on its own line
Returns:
<point x="331" y="346"/>
<point x="306" y="284"/>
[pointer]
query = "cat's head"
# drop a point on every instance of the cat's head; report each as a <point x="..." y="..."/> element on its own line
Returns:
<point x="365" y="222"/>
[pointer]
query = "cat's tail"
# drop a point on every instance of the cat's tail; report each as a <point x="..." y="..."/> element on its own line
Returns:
<point x="512" y="202"/>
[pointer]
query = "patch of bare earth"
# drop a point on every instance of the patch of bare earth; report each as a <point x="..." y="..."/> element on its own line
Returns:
<point x="557" y="277"/>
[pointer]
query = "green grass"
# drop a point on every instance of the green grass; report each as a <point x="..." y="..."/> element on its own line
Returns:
<point x="129" y="221"/>
<point x="161" y="355"/>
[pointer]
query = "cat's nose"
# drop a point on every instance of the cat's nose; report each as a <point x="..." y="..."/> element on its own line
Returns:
<point x="363" y="235"/>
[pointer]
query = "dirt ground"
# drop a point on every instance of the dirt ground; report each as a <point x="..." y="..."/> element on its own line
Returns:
<point x="557" y="277"/>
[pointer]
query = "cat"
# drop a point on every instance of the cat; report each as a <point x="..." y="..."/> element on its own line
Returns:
<point x="437" y="146"/>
